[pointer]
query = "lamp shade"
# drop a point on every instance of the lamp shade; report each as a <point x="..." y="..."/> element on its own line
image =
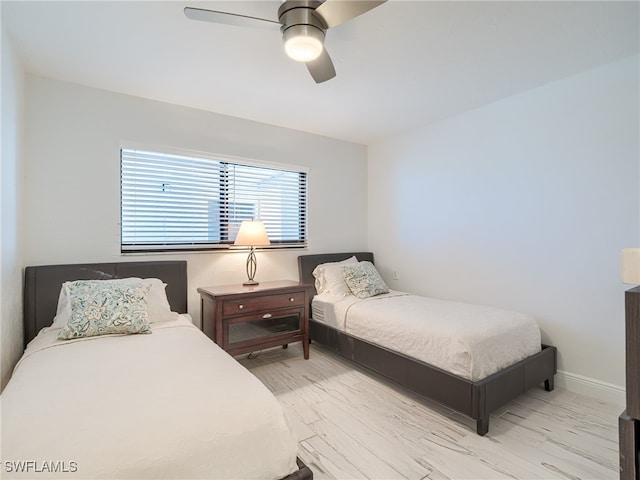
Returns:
<point x="631" y="266"/>
<point x="252" y="234"/>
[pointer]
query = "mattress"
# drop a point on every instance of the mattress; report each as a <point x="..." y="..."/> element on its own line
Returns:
<point x="170" y="404"/>
<point x="467" y="340"/>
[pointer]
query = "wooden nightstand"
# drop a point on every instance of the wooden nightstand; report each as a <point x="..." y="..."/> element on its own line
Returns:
<point x="245" y="319"/>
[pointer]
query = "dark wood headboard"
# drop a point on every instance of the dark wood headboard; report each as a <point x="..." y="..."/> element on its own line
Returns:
<point x="42" y="286"/>
<point x="307" y="263"/>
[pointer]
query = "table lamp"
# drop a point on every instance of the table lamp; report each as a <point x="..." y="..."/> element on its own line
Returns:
<point x="252" y="234"/>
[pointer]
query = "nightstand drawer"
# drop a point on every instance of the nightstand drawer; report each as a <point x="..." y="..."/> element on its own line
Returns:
<point x="263" y="326"/>
<point x="263" y="303"/>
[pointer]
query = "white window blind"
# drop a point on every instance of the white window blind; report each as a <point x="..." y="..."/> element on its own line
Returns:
<point x="178" y="202"/>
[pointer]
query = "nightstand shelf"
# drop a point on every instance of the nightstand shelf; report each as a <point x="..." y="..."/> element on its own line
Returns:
<point x="244" y="319"/>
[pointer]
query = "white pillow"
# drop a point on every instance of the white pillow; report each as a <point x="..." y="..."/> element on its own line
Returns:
<point x="330" y="279"/>
<point x="158" y="308"/>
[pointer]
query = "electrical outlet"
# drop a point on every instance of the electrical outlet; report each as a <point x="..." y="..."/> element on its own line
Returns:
<point x="396" y="275"/>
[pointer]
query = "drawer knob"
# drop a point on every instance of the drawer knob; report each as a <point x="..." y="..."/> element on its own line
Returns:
<point x="292" y="299"/>
<point x="266" y="315"/>
<point x="240" y="306"/>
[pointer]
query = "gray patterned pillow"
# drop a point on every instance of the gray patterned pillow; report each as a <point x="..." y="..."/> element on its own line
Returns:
<point x="364" y="280"/>
<point x="103" y="308"/>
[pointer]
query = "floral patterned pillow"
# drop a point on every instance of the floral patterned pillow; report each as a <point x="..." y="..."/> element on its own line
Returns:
<point x="103" y="308"/>
<point x="364" y="280"/>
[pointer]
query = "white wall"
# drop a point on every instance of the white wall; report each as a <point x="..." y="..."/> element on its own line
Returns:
<point x="526" y="204"/>
<point x="72" y="174"/>
<point x="11" y="332"/>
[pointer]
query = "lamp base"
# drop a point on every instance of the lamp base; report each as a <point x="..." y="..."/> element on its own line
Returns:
<point x="251" y="269"/>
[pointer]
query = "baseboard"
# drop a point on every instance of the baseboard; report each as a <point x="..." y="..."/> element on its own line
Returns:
<point x="604" y="391"/>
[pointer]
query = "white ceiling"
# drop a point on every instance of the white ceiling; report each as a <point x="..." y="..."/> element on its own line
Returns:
<point x="400" y="65"/>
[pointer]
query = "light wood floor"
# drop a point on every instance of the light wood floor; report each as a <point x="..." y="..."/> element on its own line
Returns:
<point x="351" y="423"/>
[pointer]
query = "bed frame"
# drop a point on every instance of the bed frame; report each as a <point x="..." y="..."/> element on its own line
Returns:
<point x="473" y="399"/>
<point x="42" y="288"/>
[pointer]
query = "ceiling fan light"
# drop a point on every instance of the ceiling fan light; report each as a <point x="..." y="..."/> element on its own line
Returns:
<point x="303" y="43"/>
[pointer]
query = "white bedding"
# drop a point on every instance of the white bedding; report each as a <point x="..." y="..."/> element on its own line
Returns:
<point x="170" y="404"/>
<point x="471" y="341"/>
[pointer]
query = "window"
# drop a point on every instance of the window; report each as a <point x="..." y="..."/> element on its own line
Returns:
<point x="175" y="202"/>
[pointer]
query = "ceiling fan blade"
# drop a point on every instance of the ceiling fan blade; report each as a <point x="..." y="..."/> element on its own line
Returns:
<point x="321" y="69"/>
<point x="230" y="18"/>
<point x="335" y="12"/>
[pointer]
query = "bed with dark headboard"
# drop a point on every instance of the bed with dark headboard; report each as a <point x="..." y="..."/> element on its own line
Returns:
<point x="169" y="378"/>
<point x="475" y="399"/>
<point x="42" y="286"/>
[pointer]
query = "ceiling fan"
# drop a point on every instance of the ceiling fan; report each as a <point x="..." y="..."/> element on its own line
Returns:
<point x="303" y="24"/>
